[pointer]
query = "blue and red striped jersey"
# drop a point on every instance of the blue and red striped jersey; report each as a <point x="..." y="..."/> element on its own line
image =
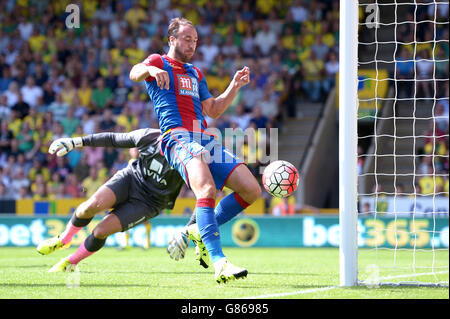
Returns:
<point x="181" y="105"/>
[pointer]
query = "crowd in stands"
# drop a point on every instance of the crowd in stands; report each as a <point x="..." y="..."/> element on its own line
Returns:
<point x="422" y="75"/>
<point x="57" y="81"/>
<point x="431" y="71"/>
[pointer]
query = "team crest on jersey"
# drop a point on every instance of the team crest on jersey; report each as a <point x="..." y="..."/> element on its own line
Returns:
<point x="187" y="85"/>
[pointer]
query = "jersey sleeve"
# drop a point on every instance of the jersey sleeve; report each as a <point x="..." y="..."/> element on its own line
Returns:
<point x="138" y="138"/>
<point x="145" y="137"/>
<point x="202" y="86"/>
<point x="153" y="60"/>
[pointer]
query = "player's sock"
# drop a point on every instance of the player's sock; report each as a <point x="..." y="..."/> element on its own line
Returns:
<point x="207" y="225"/>
<point x="89" y="246"/>
<point x="227" y="208"/>
<point x="73" y="227"/>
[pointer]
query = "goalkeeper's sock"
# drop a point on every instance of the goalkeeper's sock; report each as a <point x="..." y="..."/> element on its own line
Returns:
<point x="207" y="225"/>
<point x="229" y="207"/>
<point x="89" y="246"/>
<point x="226" y="209"/>
<point x="73" y="227"/>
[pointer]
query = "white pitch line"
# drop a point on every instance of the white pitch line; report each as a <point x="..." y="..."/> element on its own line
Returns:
<point x="298" y="292"/>
<point x="306" y="291"/>
<point x="415" y="275"/>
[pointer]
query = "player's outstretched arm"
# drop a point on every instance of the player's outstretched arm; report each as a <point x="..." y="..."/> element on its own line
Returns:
<point x="214" y="107"/>
<point x="140" y="72"/>
<point x="62" y="146"/>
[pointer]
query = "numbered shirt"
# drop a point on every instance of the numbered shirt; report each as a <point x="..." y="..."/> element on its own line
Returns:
<point x="181" y="105"/>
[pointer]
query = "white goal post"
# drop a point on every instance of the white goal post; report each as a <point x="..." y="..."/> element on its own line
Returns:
<point x="387" y="237"/>
<point x="348" y="141"/>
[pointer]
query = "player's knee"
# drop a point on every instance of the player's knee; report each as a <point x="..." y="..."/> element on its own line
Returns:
<point x="253" y="192"/>
<point x="256" y="191"/>
<point x="101" y="232"/>
<point x="207" y="190"/>
<point x="89" y="208"/>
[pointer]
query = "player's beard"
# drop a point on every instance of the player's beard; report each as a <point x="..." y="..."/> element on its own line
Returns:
<point x="181" y="56"/>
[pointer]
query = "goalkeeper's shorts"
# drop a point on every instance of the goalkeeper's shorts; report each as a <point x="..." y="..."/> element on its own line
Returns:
<point x="180" y="146"/>
<point x="133" y="205"/>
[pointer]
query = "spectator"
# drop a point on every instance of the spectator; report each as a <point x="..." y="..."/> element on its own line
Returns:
<point x="5" y="79"/>
<point x="248" y="43"/>
<point x="209" y="50"/>
<point x="85" y="93"/>
<point x="121" y="161"/>
<point x="144" y="41"/>
<point x="6" y="135"/>
<point x="320" y="48"/>
<point x="104" y="13"/>
<point x="424" y="73"/>
<point x="81" y="170"/>
<point x="405" y="72"/>
<point x="199" y="61"/>
<point x="331" y="71"/>
<point x="101" y="97"/>
<point x="107" y="124"/>
<point x="12" y="94"/>
<point x="40" y="76"/>
<point x="31" y="92"/>
<point x="58" y="108"/>
<point x="265" y="39"/>
<point x="5" y="192"/>
<point x="431" y="184"/>
<point x="19" y="180"/>
<point x="92" y="182"/>
<point x="89" y="124"/>
<point x="441" y="113"/>
<point x="251" y="94"/>
<point x="258" y="118"/>
<point x="269" y="103"/>
<point x="313" y="76"/>
<point x="62" y="167"/>
<point x="68" y="92"/>
<point x="135" y="102"/>
<point x="299" y="12"/>
<point x="11" y="53"/>
<point x="25" y="28"/>
<point x="48" y="95"/>
<point x="24" y="193"/>
<point x="127" y="120"/>
<point x="135" y="15"/>
<point x="70" y="123"/>
<point x="25" y="138"/>
<point x="72" y="188"/>
<point x="241" y="118"/>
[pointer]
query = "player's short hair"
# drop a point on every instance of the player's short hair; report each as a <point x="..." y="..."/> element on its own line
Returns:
<point x="175" y="24"/>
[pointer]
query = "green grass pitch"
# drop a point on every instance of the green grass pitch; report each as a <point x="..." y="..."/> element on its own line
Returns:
<point x="286" y="273"/>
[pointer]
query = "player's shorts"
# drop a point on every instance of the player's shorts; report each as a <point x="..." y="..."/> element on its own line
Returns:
<point x="132" y="206"/>
<point x="180" y="146"/>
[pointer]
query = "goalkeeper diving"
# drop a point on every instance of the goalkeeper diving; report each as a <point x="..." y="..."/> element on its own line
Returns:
<point x="133" y="195"/>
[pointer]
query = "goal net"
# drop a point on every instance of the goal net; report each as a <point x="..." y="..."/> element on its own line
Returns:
<point x="402" y="143"/>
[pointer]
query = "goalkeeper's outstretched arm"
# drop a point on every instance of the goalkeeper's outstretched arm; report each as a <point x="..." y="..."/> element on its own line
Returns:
<point x="62" y="146"/>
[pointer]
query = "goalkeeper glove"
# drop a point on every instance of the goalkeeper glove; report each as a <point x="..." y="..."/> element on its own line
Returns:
<point x="176" y="247"/>
<point x="62" y="146"/>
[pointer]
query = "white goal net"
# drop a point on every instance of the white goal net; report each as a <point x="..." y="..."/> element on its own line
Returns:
<point x="403" y="142"/>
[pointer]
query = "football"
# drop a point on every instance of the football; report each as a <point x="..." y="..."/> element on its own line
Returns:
<point x="280" y="178"/>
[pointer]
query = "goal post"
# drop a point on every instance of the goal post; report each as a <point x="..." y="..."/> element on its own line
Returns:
<point x="348" y="141"/>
